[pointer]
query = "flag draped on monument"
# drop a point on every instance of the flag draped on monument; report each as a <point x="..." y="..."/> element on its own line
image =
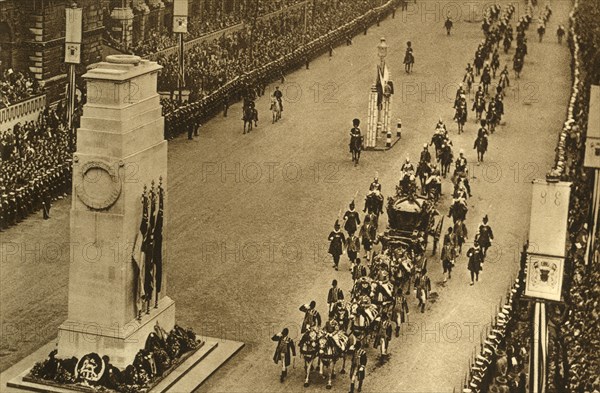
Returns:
<point x="149" y="247"/>
<point x="158" y="236"/>
<point x="138" y="256"/>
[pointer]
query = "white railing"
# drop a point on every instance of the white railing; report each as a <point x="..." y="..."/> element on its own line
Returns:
<point x="23" y="111"/>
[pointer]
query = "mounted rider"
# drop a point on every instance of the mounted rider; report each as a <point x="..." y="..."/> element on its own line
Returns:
<point x="408" y="183"/>
<point x="278" y="95"/>
<point x="375" y="185"/>
<point x="425" y="155"/>
<point x="355" y="133"/>
<point x="440" y="125"/>
<point x="462" y="170"/>
<point x="434" y="182"/>
<point x="482" y="131"/>
<point x="459" y="93"/>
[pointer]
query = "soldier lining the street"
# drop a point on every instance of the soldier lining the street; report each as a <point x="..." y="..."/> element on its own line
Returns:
<point x="285" y="350"/>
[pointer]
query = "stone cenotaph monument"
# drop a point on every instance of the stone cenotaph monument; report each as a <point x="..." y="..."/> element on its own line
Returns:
<point x="120" y="149"/>
<point x="118" y="313"/>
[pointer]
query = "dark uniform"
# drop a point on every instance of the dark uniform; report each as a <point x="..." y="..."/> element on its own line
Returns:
<point x="337" y="241"/>
<point x="279" y="97"/>
<point x="486" y="235"/>
<point x="284" y="351"/>
<point x="475" y="259"/>
<point x="352" y="220"/>
<point x="312" y="318"/>
<point x="358" y="368"/>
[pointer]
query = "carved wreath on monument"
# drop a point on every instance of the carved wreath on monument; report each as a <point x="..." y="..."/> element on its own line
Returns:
<point x="99" y="186"/>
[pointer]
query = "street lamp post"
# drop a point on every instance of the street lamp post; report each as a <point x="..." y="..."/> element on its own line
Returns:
<point x="382" y="50"/>
<point x="180" y="24"/>
<point x="73" y="32"/>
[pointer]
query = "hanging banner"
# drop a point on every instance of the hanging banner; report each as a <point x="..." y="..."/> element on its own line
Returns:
<point x="73" y="34"/>
<point x="549" y="215"/>
<point x="180" y="16"/>
<point x="592" y="143"/>
<point x="544" y="277"/>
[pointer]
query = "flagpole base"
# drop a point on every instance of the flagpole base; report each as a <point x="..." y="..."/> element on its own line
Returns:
<point x="120" y="343"/>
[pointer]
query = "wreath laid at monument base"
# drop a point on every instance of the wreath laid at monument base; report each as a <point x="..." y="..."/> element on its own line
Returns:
<point x="161" y="354"/>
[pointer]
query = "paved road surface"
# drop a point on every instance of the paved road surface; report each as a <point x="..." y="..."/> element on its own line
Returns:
<point x="249" y="215"/>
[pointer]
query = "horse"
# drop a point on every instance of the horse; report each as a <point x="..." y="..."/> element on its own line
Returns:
<point x="350" y="345"/>
<point x="409" y="60"/>
<point x="469" y="79"/>
<point x="331" y="348"/>
<point x="250" y="115"/>
<point x="356" y="144"/>
<point x="479" y="107"/>
<point x="276" y="109"/>
<point x="461" y="117"/>
<point x="433" y="188"/>
<point x="486" y="79"/>
<point x="492" y="117"/>
<point x="374" y="203"/>
<point x="481" y="144"/>
<point x="460" y="233"/>
<point x="423" y="172"/>
<point x="438" y="140"/>
<point x="478" y="63"/>
<point x="495" y="63"/>
<point x="309" y="349"/>
<point x="363" y="313"/>
<point x="506" y="43"/>
<point x="446" y="158"/>
<point x="503" y="82"/>
<point x="458" y="210"/>
<point x="383" y="336"/>
<point x="518" y="66"/>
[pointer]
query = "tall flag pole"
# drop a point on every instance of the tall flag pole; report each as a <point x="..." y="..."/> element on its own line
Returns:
<point x="180" y="27"/>
<point x="138" y="256"/>
<point x="149" y="248"/>
<point x="73" y="32"/>
<point x="158" y="237"/>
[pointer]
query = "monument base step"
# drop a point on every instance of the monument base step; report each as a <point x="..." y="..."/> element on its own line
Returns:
<point x="186" y="377"/>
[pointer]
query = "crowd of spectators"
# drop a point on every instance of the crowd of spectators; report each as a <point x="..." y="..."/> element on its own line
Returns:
<point x="210" y="65"/>
<point x="580" y="330"/>
<point x="574" y="347"/>
<point x="17" y="86"/>
<point x="209" y="21"/>
<point x="34" y="165"/>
